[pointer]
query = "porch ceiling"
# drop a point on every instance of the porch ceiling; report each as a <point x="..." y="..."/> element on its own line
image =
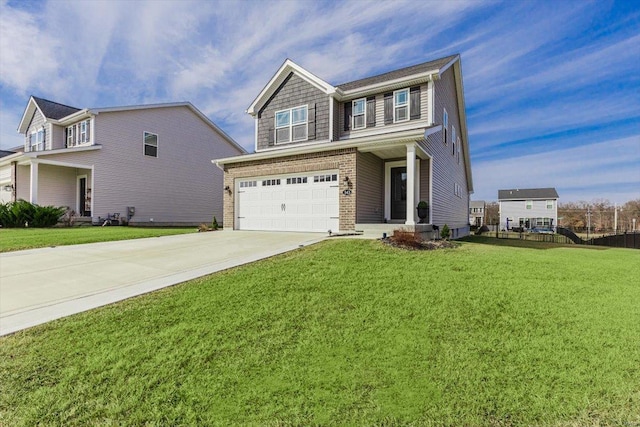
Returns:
<point x="393" y="151"/>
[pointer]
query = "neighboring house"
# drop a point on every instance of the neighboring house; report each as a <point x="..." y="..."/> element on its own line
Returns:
<point x="348" y="157"/>
<point x="99" y="161"/>
<point x="528" y="208"/>
<point x="477" y="213"/>
<point x="6" y="189"/>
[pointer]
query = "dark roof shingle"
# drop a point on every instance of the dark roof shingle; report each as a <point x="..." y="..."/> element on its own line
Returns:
<point x="54" y="110"/>
<point x="397" y="74"/>
<point x="528" y="193"/>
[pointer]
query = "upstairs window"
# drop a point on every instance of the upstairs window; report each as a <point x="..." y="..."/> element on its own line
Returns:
<point x="36" y="140"/>
<point x="529" y="204"/>
<point x="453" y="140"/>
<point x="291" y="125"/>
<point x="445" y="126"/>
<point x="78" y="134"/>
<point x="549" y="204"/>
<point x="401" y="105"/>
<point x="150" y="144"/>
<point x="458" y="152"/>
<point x="359" y="113"/>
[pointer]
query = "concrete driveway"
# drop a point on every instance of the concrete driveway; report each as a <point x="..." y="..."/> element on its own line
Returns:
<point x="39" y="285"/>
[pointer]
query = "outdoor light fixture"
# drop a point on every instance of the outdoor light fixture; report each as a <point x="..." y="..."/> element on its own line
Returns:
<point x="8" y="187"/>
<point x="227" y="189"/>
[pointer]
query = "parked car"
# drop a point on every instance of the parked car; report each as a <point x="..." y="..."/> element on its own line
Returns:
<point x="542" y="230"/>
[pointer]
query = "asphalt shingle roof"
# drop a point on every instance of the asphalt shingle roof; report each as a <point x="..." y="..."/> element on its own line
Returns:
<point x="5" y="153"/>
<point x="528" y="193"/>
<point x="54" y="110"/>
<point x="397" y="74"/>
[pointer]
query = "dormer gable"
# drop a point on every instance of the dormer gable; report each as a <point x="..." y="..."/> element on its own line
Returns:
<point x="48" y="109"/>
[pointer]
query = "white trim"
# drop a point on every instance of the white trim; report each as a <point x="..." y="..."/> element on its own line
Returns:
<point x="431" y="105"/>
<point x="408" y="105"/>
<point x="291" y="125"/>
<point x="78" y="177"/>
<point x="407" y="81"/>
<point x="393" y="138"/>
<point x="382" y="130"/>
<point x="255" y="132"/>
<point x="364" y="114"/>
<point x="288" y="67"/>
<point x="331" y="113"/>
<point x="144" y="143"/>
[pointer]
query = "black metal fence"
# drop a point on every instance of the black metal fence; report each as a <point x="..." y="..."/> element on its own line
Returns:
<point x="534" y="237"/>
<point x="625" y="240"/>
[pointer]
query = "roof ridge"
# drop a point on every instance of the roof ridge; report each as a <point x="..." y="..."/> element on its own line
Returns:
<point x="37" y="98"/>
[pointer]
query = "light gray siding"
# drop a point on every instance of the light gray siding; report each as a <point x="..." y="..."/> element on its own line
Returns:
<point x="370" y="191"/>
<point x="447" y="207"/>
<point x="57" y="186"/>
<point x="181" y="185"/>
<point x="36" y="123"/>
<point x="295" y="92"/>
<point x="516" y="209"/>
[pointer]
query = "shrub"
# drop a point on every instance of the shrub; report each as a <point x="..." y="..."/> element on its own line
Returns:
<point x="406" y="238"/>
<point x="24" y="214"/>
<point x="214" y="224"/>
<point x="444" y="233"/>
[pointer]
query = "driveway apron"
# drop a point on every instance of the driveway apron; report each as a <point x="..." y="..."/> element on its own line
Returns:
<point x="40" y="285"/>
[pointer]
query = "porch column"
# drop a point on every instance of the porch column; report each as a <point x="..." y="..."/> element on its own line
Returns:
<point x="411" y="184"/>
<point x="33" y="185"/>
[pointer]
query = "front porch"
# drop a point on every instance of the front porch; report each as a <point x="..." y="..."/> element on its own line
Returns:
<point x="47" y="182"/>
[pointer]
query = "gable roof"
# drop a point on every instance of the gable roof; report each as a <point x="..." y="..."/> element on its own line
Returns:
<point x="4" y="153"/>
<point x="435" y="66"/>
<point x="528" y="193"/>
<point x="54" y="110"/>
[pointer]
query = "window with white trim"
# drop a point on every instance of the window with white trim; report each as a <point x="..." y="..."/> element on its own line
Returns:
<point x="150" y="144"/>
<point x="79" y="133"/>
<point x="549" y="204"/>
<point x="270" y="182"/>
<point x="247" y="184"/>
<point x="458" y="152"/>
<point x="529" y="204"/>
<point x="297" y="180"/>
<point x="36" y="141"/>
<point x="359" y="111"/>
<point x="445" y="125"/>
<point x="291" y="125"/>
<point x="325" y="178"/>
<point x="401" y="105"/>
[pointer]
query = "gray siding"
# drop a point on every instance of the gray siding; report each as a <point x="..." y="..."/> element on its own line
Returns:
<point x="57" y="186"/>
<point x="22" y="182"/>
<point x="447" y="208"/>
<point x="339" y="112"/>
<point x="294" y="92"/>
<point x="37" y="121"/>
<point x="425" y="166"/>
<point x="57" y="139"/>
<point x="181" y="185"/>
<point x="370" y="191"/>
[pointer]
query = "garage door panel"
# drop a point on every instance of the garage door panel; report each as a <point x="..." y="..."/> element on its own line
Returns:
<point x="297" y="203"/>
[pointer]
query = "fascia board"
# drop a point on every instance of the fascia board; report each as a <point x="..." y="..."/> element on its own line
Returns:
<point x="32" y="105"/>
<point x="457" y="72"/>
<point x="287" y="67"/>
<point x="364" y="142"/>
<point x="388" y="85"/>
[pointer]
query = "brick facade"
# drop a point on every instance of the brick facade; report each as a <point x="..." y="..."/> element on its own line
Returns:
<point x="342" y="160"/>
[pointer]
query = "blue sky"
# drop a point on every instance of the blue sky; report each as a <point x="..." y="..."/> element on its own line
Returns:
<point x="552" y="88"/>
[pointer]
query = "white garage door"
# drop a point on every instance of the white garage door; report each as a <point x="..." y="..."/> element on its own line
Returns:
<point x="297" y="202"/>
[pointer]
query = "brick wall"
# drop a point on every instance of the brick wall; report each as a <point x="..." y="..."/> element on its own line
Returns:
<point x="344" y="161"/>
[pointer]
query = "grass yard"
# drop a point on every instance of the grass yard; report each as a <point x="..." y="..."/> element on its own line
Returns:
<point x="350" y="332"/>
<point x="15" y="239"/>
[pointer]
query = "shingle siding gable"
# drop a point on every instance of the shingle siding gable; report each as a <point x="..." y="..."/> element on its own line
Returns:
<point x="294" y="92"/>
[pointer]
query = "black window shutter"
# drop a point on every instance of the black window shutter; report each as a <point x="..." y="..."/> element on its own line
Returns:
<point x="415" y="102"/>
<point x="271" y="138"/>
<point x="66" y="136"/>
<point x="371" y="111"/>
<point x="388" y="108"/>
<point x="347" y="116"/>
<point x="311" y="120"/>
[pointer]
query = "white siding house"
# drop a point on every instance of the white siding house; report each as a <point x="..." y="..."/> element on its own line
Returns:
<point x="528" y="208"/>
<point x="154" y="158"/>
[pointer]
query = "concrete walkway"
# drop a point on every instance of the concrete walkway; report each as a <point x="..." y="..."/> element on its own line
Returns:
<point x="40" y="285"/>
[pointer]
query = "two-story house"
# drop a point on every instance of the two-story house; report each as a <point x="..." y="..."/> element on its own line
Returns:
<point x="477" y="213"/>
<point x="528" y="208"/>
<point x="352" y="156"/>
<point x="98" y="161"/>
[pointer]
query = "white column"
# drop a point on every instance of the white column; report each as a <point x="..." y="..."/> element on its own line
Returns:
<point x="33" y="189"/>
<point x="411" y="184"/>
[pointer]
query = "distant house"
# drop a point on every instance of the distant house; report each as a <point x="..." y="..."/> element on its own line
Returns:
<point x="528" y="208"/>
<point x="477" y="213"/>
<point x="99" y="161"/>
<point x="356" y="156"/>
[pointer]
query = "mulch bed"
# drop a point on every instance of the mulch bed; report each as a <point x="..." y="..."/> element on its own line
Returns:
<point x="414" y="245"/>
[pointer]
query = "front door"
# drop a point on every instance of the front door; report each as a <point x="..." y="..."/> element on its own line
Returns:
<point x="82" y="186"/>
<point x="399" y="193"/>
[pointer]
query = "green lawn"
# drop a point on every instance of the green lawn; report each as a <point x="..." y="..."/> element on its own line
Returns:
<point x="14" y="239"/>
<point x="350" y="332"/>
